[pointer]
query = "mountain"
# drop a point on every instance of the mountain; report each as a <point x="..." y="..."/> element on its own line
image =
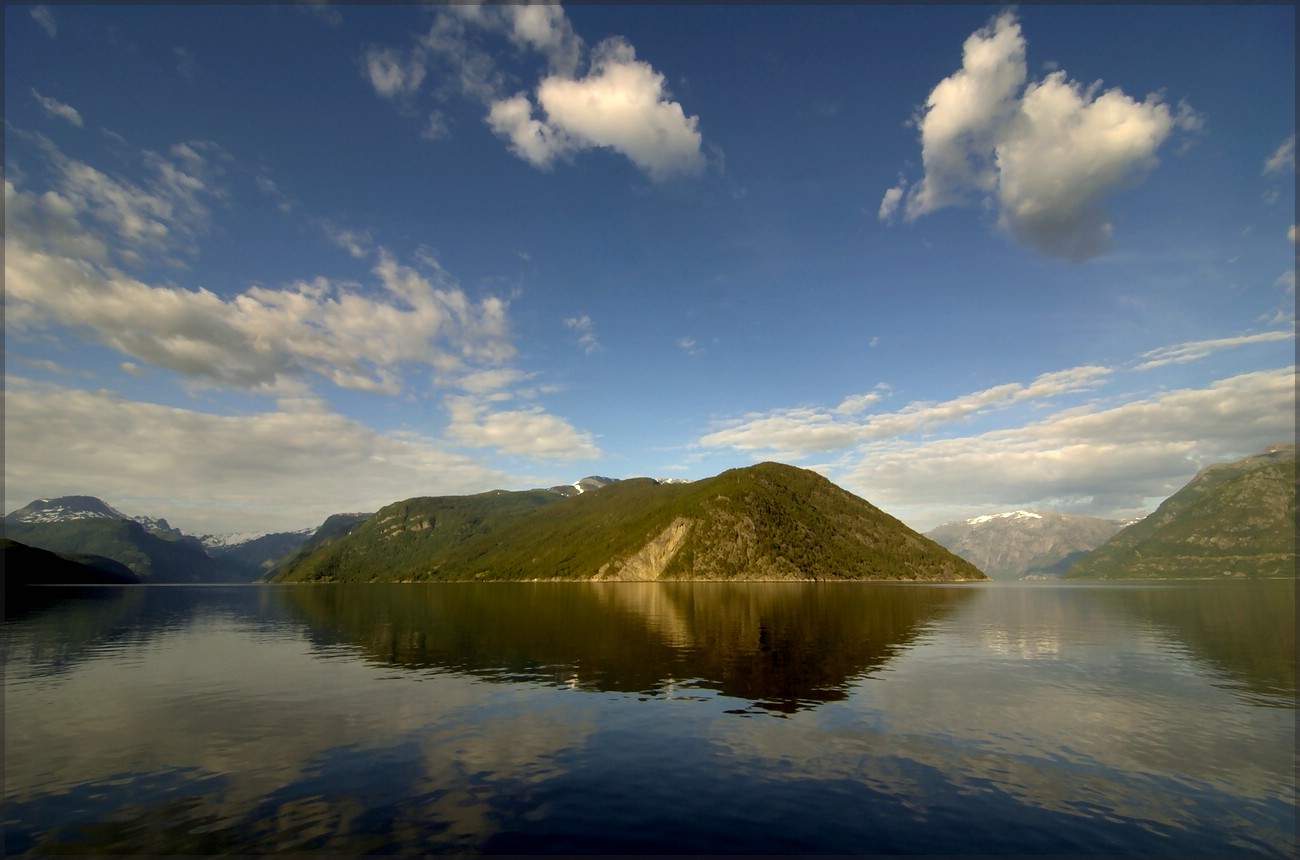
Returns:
<point x="764" y="522"/>
<point x="1024" y="543"/>
<point x="257" y="553"/>
<point x="404" y="534"/>
<point x="28" y="565"/>
<point x="1232" y="519"/>
<point x="149" y="547"/>
<point x="583" y="485"/>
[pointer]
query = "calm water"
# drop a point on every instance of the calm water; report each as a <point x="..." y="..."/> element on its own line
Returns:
<point x="640" y="717"/>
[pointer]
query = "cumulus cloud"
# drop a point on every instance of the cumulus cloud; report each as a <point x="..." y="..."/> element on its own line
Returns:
<point x="1045" y="154"/>
<point x="261" y="337"/>
<point x="220" y="472"/>
<point x="56" y="108"/>
<point x="477" y="422"/>
<point x="621" y="103"/>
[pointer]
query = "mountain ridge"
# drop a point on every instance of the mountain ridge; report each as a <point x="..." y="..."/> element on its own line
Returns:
<point x="1232" y="519"/>
<point x="764" y="522"/>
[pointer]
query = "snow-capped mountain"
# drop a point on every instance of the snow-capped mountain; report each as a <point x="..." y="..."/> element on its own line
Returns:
<point x="67" y="508"/>
<point x="583" y="485"/>
<point x="1013" y="544"/>
<point x="233" y="540"/>
<point x="1009" y="515"/>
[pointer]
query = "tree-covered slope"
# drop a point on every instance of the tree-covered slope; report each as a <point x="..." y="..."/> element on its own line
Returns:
<point x="150" y="556"/>
<point x="1232" y="519"/>
<point x="405" y="536"/>
<point x="764" y="522"/>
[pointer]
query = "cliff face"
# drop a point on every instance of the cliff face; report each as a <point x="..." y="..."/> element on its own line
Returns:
<point x="1233" y="519"/>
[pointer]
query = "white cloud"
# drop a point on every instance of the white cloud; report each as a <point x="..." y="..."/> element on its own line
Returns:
<point x="391" y="74"/>
<point x="529" y="432"/>
<point x="795" y="433"/>
<point x="586" y="329"/>
<point x="262" y="337"/>
<point x="541" y="27"/>
<point x="531" y="139"/>
<point x="358" y="243"/>
<point x="960" y="122"/>
<point x="1185" y="352"/>
<point x="1045" y="153"/>
<point x="1282" y="160"/>
<point x="1112" y="462"/>
<point x="160" y="215"/>
<point x="218" y="473"/>
<point x="43" y="16"/>
<point x="1290" y="234"/>
<point x="489" y="381"/>
<point x="889" y="203"/>
<point x="620" y="104"/>
<point x="58" y="109"/>
<point x="1068" y="151"/>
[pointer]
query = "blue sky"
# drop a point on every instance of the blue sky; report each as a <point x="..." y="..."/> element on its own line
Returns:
<point x="268" y="263"/>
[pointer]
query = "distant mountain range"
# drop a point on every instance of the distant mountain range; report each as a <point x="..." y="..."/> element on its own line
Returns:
<point x="764" y="522"/>
<point x="1016" y="544"/>
<point x="1232" y="520"/>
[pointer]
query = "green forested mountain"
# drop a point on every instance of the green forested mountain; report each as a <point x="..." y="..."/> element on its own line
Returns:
<point x="153" y="557"/>
<point x="404" y="536"/>
<point x="1232" y="519"/>
<point x="764" y="522"/>
<point x="334" y="528"/>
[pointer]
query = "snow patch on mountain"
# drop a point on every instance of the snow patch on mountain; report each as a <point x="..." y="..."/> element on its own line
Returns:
<point x="1017" y="515"/>
<point x="235" y="539"/>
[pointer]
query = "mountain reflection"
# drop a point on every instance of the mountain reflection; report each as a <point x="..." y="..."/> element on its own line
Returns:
<point x="781" y="646"/>
<point x="1222" y="625"/>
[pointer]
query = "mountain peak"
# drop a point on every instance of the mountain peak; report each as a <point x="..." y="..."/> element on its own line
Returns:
<point x="65" y="508"/>
<point x="1017" y="543"/>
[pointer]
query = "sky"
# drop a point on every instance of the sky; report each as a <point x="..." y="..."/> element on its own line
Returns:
<point x="266" y="263"/>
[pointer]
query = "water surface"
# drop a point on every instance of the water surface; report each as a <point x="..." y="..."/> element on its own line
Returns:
<point x="1131" y="719"/>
